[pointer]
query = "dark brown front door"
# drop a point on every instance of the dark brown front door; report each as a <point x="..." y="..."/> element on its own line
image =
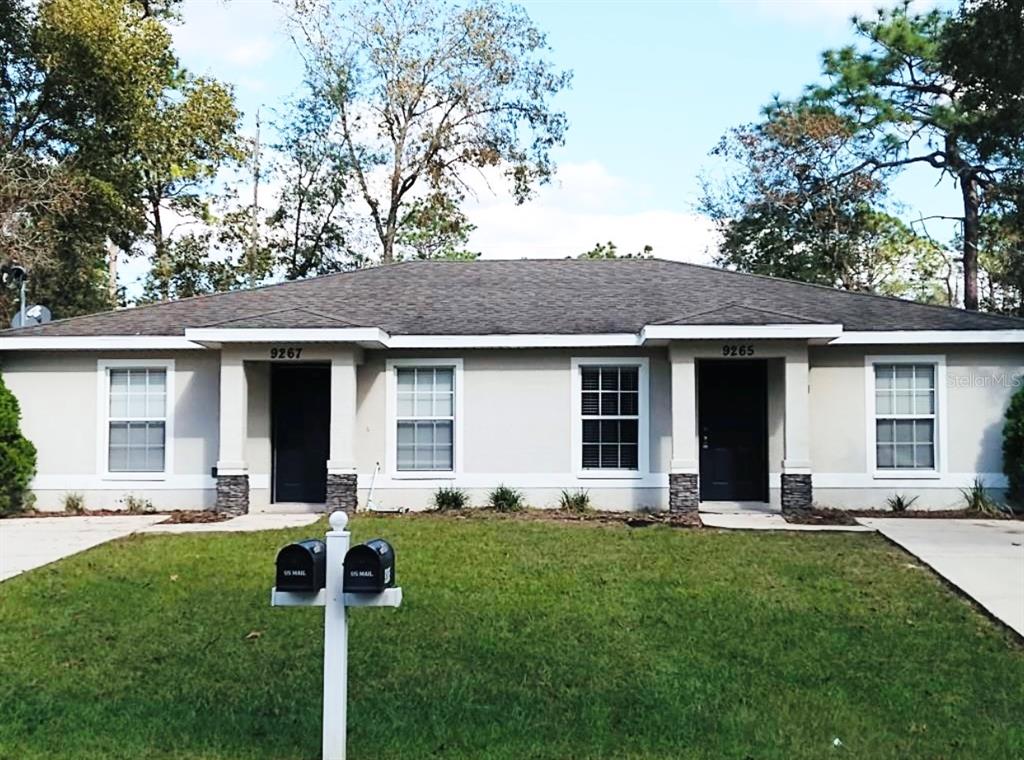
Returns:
<point x="301" y="422"/>
<point x="732" y="403"/>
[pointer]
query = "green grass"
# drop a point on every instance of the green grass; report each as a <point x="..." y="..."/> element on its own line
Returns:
<point x="517" y="639"/>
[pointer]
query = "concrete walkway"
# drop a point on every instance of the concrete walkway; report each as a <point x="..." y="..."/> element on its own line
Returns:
<point x="30" y="542"/>
<point x="769" y="521"/>
<point x="245" y="523"/>
<point x="983" y="558"/>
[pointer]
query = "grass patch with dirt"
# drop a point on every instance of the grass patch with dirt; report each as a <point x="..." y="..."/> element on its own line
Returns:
<point x="517" y="639"/>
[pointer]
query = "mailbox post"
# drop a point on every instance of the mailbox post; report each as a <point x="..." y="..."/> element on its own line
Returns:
<point x="335" y="601"/>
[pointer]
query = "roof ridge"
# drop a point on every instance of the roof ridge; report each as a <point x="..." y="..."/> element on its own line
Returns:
<point x="739" y="304"/>
<point x="280" y="311"/>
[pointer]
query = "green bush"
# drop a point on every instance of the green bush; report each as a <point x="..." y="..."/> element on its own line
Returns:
<point x="74" y="503"/>
<point x="575" y="501"/>
<point x="505" y="499"/>
<point x="136" y="505"/>
<point x="900" y="503"/>
<point x="1013" y="447"/>
<point x="976" y="499"/>
<point x="450" y="498"/>
<point x="17" y="456"/>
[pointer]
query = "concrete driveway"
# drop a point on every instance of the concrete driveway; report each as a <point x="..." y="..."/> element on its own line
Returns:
<point x="30" y="542"/>
<point x="983" y="558"/>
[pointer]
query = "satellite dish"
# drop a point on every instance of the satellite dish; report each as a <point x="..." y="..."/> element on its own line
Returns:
<point x="34" y="315"/>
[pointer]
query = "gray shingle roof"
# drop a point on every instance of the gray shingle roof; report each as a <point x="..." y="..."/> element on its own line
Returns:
<point x="556" y="296"/>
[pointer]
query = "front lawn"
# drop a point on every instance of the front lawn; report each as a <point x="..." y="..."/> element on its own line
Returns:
<point x="516" y="640"/>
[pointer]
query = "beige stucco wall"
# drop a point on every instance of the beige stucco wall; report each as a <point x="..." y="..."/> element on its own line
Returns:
<point x="516" y="425"/>
<point x="58" y="398"/>
<point x="978" y="384"/>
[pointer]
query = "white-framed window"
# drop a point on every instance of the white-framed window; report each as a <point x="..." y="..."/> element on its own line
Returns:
<point x="610" y="418"/>
<point x="135" y="404"/>
<point x="906" y="415"/>
<point x="424" y="417"/>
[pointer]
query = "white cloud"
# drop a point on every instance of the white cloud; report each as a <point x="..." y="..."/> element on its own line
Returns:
<point x="237" y="34"/>
<point x="250" y="52"/>
<point x="585" y="205"/>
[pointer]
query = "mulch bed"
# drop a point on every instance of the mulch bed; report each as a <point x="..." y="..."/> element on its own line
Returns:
<point x="632" y="519"/>
<point x="823" y="516"/>
<point x="187" y="517"/>
<point x="178" y="516"/>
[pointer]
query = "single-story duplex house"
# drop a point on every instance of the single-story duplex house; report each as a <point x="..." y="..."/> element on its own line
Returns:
<point x="648" y="383"/>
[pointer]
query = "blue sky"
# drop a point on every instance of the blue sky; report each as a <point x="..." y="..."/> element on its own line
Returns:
<point x="655" y="85"/>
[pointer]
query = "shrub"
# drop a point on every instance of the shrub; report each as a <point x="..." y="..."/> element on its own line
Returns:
<point x="900" y="503"/>
<point x="138" y="506"/>
<point x="74" y="503"/>
<point x="1013" y="447"/>
<point x="450" y="498"/>
<point x="505" y="499"/>
<point x="17" y="455"/>
<point x="575" y="501"/>
<point x="976" y="499"/>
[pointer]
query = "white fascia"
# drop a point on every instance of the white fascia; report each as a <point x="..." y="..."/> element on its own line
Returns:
<point x="912" y="337"/>
<point x="220" y="335"/>
<point x="99" y="343"/>
<point x="741" y="332"/>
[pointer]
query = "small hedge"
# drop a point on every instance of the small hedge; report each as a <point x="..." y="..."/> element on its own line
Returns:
<point x="17" y="455"/>
<point x="1013" y="447"/>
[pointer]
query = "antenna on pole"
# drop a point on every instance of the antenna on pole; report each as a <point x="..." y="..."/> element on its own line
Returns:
<point x="17" y="275"/>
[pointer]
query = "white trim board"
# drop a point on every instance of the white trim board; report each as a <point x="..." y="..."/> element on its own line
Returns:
<point x="212" y="337"/>
<point x="555" y="480"/>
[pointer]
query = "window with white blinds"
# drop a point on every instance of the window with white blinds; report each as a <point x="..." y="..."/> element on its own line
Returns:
<point x="425" y="418"/>
<point x="136" y="419"/>
<point x="610" y="408"/>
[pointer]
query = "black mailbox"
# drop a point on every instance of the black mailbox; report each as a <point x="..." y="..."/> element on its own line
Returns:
<point x="370" y="567"/>
<point x="302" y="566"/>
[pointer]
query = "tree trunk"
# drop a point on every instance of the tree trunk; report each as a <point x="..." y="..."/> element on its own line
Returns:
<point x="162" y="269"/>
<point x="969" y="190"/>
<point x="112" y="252"/>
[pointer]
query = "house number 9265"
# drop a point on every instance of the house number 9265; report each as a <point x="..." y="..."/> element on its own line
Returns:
<point x="285" y="353"/>
<point x="735" y="350"/>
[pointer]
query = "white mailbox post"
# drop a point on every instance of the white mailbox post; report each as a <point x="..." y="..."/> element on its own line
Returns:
<point x="335" y="601"/>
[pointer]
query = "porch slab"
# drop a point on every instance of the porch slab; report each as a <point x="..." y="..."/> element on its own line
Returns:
<point x="751" y="521"/>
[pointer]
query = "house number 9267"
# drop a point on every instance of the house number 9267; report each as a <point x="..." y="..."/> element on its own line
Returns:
<point x="285" y="353"/>
<point x="735" y="350"/>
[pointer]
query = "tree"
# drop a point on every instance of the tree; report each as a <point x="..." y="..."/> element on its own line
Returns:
<point x="904" y="105"/>
<point x="186" y="135"/>
<point x="436" y="228"/>
<point x="1013" y="447"/>
<point x="313" y="167"/>
<point x="33" y="197"/>
<point x="17" y="455"/>
<point x="93" y="87"/>
<point x="796" y="202"/>
<point x="188" y="269"/>
<point x="426" y="92"/>
<point x="611" y="251"/>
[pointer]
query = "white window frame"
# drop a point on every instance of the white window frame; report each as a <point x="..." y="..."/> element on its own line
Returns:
<point x="391" y="435"/>
<point x="643" y="421"/>
<point x="938" y="362"/>
<point x="103" y="367"/>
